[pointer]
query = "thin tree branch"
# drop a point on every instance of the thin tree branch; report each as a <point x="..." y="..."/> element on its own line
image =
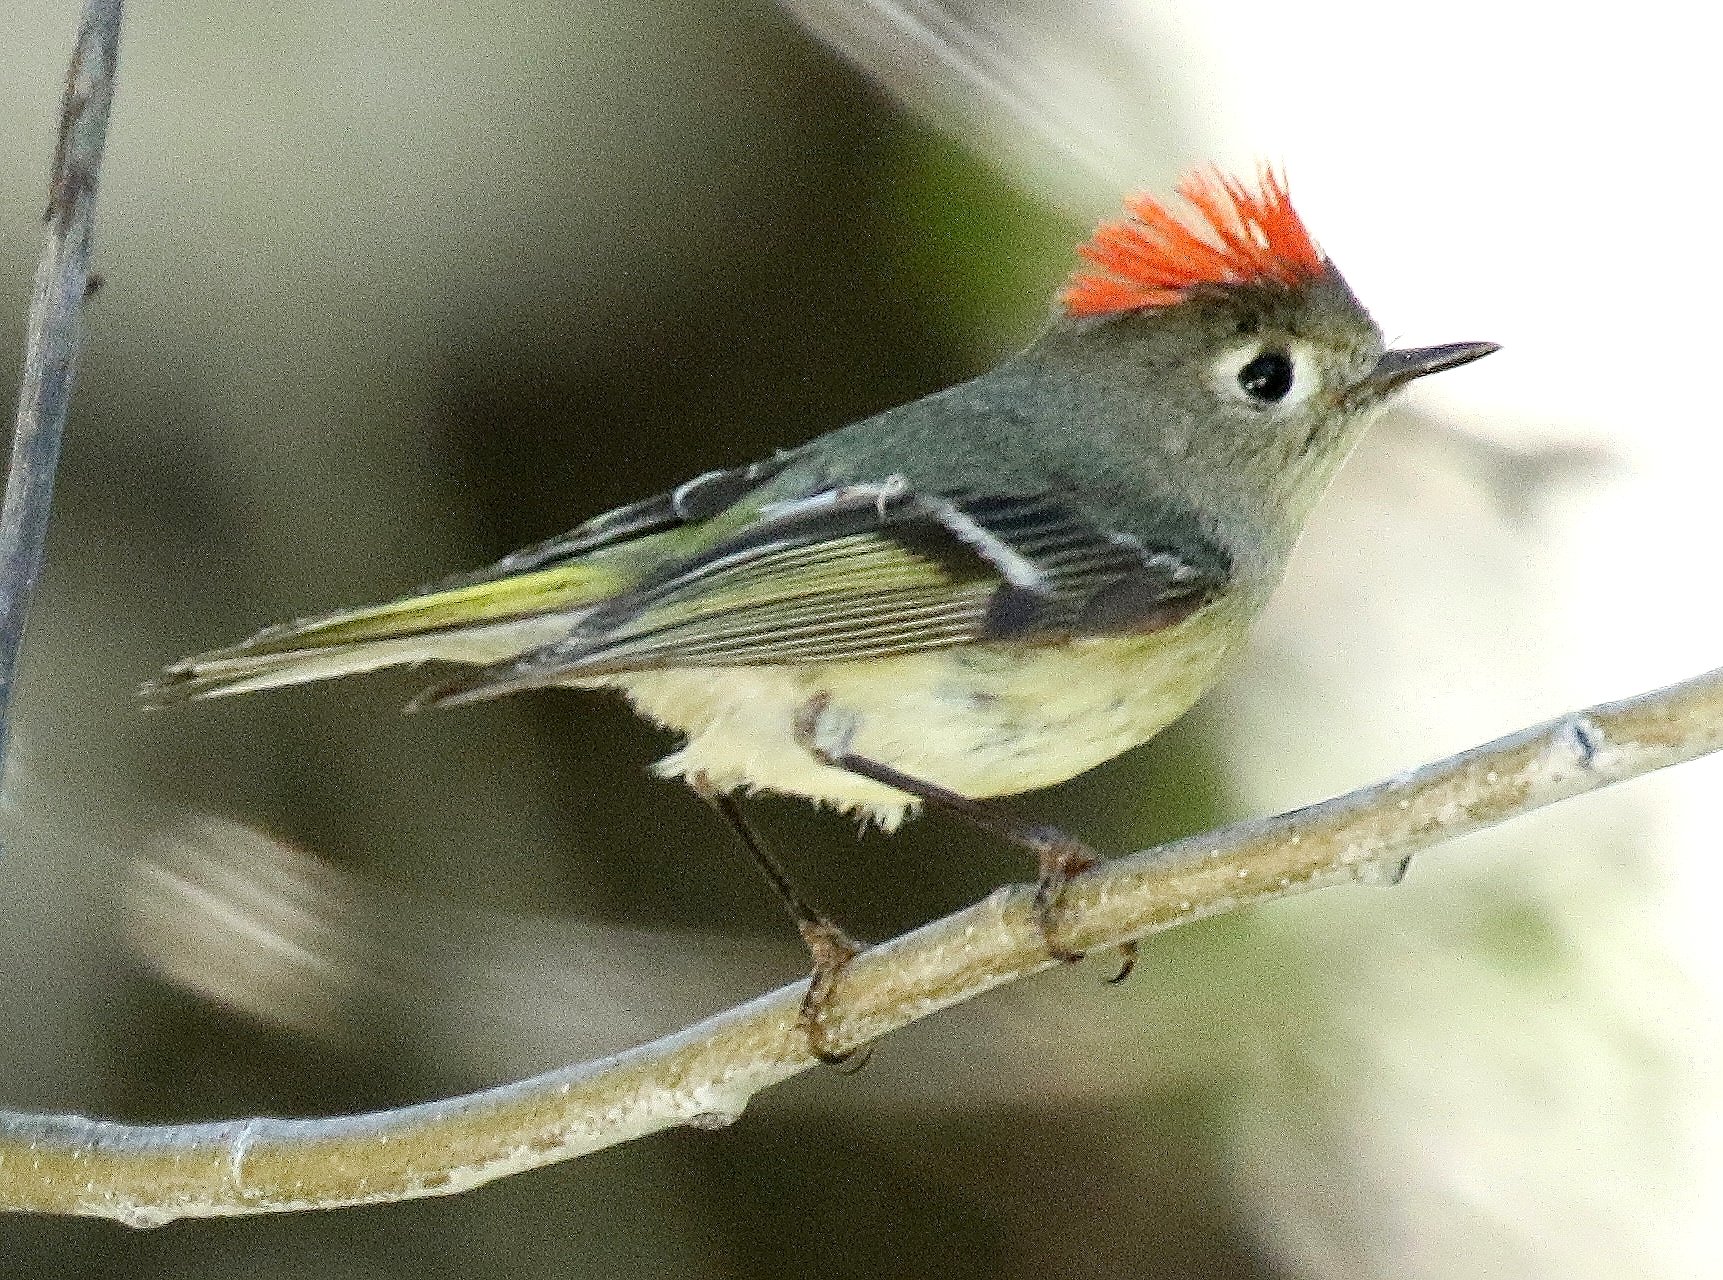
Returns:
<point x="146" y="1175"/>
<point x="51" y="353"/>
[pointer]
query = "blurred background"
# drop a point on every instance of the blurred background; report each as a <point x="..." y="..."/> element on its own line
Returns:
<point x="393" y="288"/>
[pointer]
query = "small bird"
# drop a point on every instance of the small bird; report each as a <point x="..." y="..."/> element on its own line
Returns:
<point x="980" y="593"/>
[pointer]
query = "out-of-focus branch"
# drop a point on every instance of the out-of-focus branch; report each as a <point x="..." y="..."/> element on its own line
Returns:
<point x="1072" y="100"/>
<point x="705" y="1075"/>
<point x="51" y="353"/>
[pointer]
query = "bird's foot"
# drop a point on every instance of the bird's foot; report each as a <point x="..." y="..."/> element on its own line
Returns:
<point x="826" y="732"/>
<point x="832" y="950"/>
<point x="1059" y="858"/>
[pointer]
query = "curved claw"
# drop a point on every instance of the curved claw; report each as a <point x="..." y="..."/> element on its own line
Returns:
<point x="1127" y="962"/>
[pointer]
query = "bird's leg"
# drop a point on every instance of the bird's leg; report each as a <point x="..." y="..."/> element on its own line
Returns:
<point x="1058" y="855"/>
<point x="829" y="946"/>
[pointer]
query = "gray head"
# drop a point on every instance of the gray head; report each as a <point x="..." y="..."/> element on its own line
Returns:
<point x="1231" y="362"/>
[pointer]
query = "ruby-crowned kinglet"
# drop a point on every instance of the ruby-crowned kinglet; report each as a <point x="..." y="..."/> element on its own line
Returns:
<point x="983" y="592"/>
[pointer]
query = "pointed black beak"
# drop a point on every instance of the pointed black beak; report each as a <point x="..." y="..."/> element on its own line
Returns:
<point x="1396" y="368"/>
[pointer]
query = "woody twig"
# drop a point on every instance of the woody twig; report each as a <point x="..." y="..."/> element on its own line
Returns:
<point x="63" y="282"/>
<point x="705" y="1075"/>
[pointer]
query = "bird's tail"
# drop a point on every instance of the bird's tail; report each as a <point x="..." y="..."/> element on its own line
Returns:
<point x="480" y="622"/>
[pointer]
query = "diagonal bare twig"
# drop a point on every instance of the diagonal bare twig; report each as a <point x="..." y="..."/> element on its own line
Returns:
<point x="146" y="1175"/>
<point x="51" y="353"/>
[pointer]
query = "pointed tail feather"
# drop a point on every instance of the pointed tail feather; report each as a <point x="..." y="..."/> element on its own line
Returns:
<point x="482" y="623"/>
<point x="215" y="675"/>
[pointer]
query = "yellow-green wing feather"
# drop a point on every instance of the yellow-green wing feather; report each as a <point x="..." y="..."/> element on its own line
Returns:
<point x="516" y="605"/>
<point x="714" y="574"/>
<point x="484" y="622"/>
<point x="567" y="586"/>
<point x="870" y="571"/>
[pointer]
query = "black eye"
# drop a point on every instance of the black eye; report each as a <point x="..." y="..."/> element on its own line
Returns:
<point x="1268" y="377"/>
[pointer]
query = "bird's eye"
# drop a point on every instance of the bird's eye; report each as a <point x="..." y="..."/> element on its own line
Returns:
<point x="1267" y="378"/>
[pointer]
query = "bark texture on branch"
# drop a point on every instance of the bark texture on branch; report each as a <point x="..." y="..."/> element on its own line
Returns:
<point x="705" y="1075"/>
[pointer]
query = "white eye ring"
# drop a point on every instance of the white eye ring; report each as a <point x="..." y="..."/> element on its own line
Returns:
<point x="1224" y="372"/>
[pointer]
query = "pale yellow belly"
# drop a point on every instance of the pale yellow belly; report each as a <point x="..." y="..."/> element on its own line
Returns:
<point x="981" y="720"/>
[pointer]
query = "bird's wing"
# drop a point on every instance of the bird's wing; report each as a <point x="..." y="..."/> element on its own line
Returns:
<point x="692" y="502"/>
<point x="871" y="570"/>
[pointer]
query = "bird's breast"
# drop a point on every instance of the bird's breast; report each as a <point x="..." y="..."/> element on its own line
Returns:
<point x="982" y="720"/>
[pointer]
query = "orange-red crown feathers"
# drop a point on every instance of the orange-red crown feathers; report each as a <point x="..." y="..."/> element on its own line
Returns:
<point x="1152" y="258"/>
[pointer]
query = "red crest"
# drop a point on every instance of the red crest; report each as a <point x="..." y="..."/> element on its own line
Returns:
<point x="1153" y="257"/>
